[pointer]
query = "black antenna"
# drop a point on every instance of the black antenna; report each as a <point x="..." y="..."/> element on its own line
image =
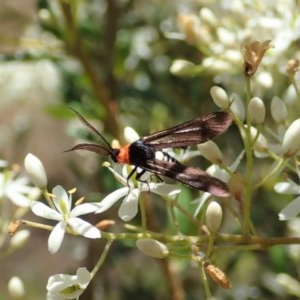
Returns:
<point x="92" y="128"/>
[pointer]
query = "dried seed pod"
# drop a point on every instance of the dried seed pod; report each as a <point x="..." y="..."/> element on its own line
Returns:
<point x="217" y="275"/>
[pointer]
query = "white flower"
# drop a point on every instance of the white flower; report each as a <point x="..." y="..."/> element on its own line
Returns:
<point x="293" y="208"/>
<point x="64" y="286"/>
<point x="17" y="189"/>
<point x="129" y="206"/>
<point x="66" y="217"/>
<point x="35" y="170"/>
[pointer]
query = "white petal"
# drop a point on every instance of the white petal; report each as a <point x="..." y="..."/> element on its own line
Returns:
<point x="164" y="189"/>
<point x="56" y="237"/>
<point x="61" y="195"/>
<point x="211" y="152"/>
<point x="83" y="277"/>
<point x="18" y="199"/>
<point x="119" y="177"/>
<point x="111" y="199"/>
<point x="83" y="209"/>
<point x="201" y="201"/>
<point x="291" y="141"/>
<point x="237" y="161"/>
<point x="44" y="211"/>
<point x="130" y="135"/>
<point x="290" y="211"/>
<point x="58" y="282"/>
<point x="84" y="228"/>
<point x="129" y="207"/>
<point x="216" y="171"/>
<point x="287" y="188"/>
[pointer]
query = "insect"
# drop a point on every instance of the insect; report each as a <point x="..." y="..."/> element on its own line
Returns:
<point x="142" y="153"/>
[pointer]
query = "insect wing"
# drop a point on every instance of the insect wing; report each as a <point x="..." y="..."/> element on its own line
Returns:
<point x="196" y="131"/>
<point x="193" y="177"/>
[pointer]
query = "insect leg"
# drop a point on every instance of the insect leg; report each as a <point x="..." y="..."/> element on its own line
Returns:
<point x="130" y="175"/>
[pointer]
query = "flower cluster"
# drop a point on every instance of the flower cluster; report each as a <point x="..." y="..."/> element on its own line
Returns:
<point x="219" y="29"/>
<point x="59" y="208"/>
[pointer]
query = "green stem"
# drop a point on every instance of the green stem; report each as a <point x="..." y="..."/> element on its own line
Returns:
<point x="170" y="203"/>
<point x="143" y="213"/>
<point x="249" y="167"/>
<point x="210" y="244"/>
<point x="204" y="280"/>
<point x="102" y="258"/>
<point x="270" y="174"/>
<point x="239" y="242"/>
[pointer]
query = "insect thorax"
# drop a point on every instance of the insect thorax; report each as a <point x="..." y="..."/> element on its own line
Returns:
<point x="139" y="153"/>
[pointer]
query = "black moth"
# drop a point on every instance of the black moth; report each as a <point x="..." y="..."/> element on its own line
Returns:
<point x="142" y="153"/>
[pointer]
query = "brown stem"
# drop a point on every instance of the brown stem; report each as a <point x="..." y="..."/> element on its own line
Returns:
<point x="75" y="46"/>
<point x="173" y="280"/>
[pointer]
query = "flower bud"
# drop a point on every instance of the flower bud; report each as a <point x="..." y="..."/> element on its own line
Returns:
<point x="181" y="67"/>
<point x="226" y="36"/>
<point x="35" y="170"/>
<point x="233" y="56"/>
<point x="188" y="25"/>
<point x="211" y="152"/>
<point x="3" y="163"/>
<point x="265" y="79"/>
<point x="152" y="248"/>
<point x="216" y="65"/>
<point x="288" y="283"/>
<point x="278" y="110"/>
<point x="19" y="238"/>
<point x="237" y="107"/>
<point x="292" y="67"/>
<point x="257" y="110"/>
<point x="130" y="135"/>
<point x="261" y="143"/>
<point x="219" y="97"/>
<point x="237" y="184"/>
<point x="214" y="216"/>
<point x="16" y="288"/>
<point x="208" y="17"/>
<point x="291" y="139"/>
